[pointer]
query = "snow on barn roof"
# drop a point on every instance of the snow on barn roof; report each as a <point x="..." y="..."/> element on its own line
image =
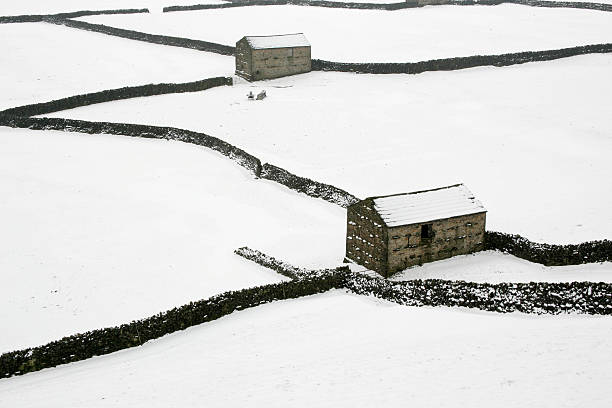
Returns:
<point x="428" y="205"/>
<point x="277" y="41"/>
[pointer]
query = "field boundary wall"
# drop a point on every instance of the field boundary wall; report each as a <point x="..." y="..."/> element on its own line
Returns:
<point x="35" y="18"/>
<point x="457" y="63"/>
<point x="392" y="6"/>
<point x="532" y="298"/>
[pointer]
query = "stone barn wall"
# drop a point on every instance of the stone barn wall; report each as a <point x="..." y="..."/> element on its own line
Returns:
<point x="244" y="59"/>
<point x="366" y="237"/>
<point x="451" y="236"/>
<point x="279" y="62"/>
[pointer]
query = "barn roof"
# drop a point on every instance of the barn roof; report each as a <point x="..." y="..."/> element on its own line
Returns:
<point x="277" y="41"/>
<point x="428" y="205"/>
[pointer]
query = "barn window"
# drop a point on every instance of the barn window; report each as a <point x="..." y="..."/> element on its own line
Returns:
<point x="426" y="231"/>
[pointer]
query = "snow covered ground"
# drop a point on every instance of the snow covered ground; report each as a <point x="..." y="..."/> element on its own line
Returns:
<point x="496" y="267"/>
<point x="12" y="8"/>
<point x="339" y="350"/>
<point x="383" y="36"/>
<point x="43" y="61"/>
<point x="531" y="141"/>
<point x="99" y="230"/>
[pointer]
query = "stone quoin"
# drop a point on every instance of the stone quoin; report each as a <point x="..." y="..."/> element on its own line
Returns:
<point x="388" y="234"/>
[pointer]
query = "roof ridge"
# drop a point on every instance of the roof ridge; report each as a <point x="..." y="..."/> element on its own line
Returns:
<point x="271" y="35"/>
<point x="415" y="192"/>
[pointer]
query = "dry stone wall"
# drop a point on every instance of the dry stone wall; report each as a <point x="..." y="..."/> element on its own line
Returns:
<point x="451" y="64"/>
<point x="243" y="158"/>
<point x="115" y="95"/>
<point x="392" y="5"/>
<point x="534" y="297"/>
<point x="307" y="186"/>
<point x="146" y="37"/>
<point x="104" y="341"/>
<point x="34" y="18"/>
<point x="253" y="164"/>
<point x="549" y="254"/>
<point x="312" y="3"/>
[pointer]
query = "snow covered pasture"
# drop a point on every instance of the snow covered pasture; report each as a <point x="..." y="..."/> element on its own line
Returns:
<point x="101" y="230"/>
<point x="531" y="141"/>
<point x="41" y="62"/>
<point x="384" y="36"/>
<point x="340" y="350"/>
<point x="496" y="267"/>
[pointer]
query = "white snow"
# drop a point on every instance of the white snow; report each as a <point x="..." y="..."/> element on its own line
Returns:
<point x="339" y="350"/>
<point x="278" y="41"/>
<point x="11" y="8"/>
<point x="531" y="141"/>
<point x="43" y="61"/>
<point x="100" y="230"/>
<point x="496" y="267"/>
<point x="428" y="205"/>
<point x="383" y="36"/>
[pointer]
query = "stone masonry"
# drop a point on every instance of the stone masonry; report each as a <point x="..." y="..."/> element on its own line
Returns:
<point x="451" y="236"/>
<point x="378" y="239"/>
<point x="257" y="60"/>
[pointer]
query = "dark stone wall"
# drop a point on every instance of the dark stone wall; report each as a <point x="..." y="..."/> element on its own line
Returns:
<point x="104" y="341"/>
<point x="150" y="38"/>
<point x="534" y="297"/>
<point x="307" y="186"/>
<point x="115" y="95"/>
<point x="313" y="3"/>
<point x="241" y="157"/>
<point x="390" y="6"/>
<point x="266" y="171"/>
<point x="549" y="254"/>
<point x="34" y="18"/>
<point x="451" y="64"/>
<point x="563" y="4"/>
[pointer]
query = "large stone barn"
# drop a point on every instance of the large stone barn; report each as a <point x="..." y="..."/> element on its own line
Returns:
<point x="390" y="233"/>
<point x="272" y="56"/>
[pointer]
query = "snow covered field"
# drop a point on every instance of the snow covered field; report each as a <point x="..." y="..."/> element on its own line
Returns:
<point x="383" y="36"/>
<point x="43" y="61"/>
<point x="339" y="350"/>
<point x="496" y="267"/>
<point x="531" y="141"/>
<point x="12" y="8"/>
<point x="100" y="230"/>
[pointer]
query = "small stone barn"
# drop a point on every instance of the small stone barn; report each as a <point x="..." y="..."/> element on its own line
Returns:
<point x="273" y="56"/>
<point x="390" y="233"/>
